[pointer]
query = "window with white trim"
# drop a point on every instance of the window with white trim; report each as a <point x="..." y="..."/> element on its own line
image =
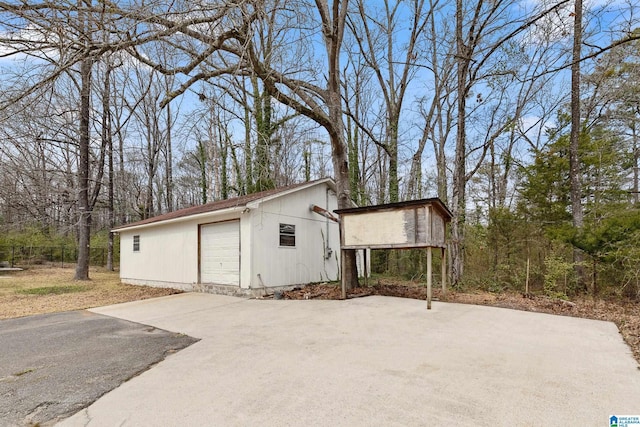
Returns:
<point x="287" y="235"/>
<point x="136" y="243"/>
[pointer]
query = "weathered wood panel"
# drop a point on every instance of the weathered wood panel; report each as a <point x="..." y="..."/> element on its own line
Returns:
<point x="409" y="227"/>
<point x="376" y="228"/>
<point x="438" y="226"/>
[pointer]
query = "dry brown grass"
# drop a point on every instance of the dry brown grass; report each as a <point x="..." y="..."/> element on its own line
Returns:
<point x="49" y="290"/>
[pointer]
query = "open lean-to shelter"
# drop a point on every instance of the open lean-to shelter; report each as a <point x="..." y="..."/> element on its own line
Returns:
<point x="402" y="225"/>
<point x="239" y="246"/>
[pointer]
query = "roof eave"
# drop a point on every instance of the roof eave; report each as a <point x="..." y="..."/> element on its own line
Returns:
<point x="183" y="218"/>
<point x="366" y="209"/>
<point x="255" y="203"/>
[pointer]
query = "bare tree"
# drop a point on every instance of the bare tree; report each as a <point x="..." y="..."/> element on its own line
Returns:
<point x="84" y="208"/>
<point x="274" y="52"/>
<point x="38" y="151"/>
<point x="393" y="64"/>
<point x="64" y="44"/>
<point x="106" y="136"/>
<point x="576" y="129"/>
<point x="320" y="104"/>
<point x="436" y="108"/>
<point x="359" y="100"/>
<point x="482" y="29"/>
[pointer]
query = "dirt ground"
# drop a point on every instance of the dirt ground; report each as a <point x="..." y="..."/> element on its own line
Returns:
<point x="624" y="313"/>
<point x="42" y="290"/>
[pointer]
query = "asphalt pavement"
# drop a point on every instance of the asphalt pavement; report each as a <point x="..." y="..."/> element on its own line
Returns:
<point x="53" y="365"/>
<point x="375" y="361"/>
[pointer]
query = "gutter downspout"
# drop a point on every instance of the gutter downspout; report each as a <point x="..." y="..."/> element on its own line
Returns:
<point x="327" y="247"/>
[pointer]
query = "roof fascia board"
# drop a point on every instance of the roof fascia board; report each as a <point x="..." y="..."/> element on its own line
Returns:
<point x="183" y="218"/>
<point x="254" y="204"/>
<point x="436" y="202"/>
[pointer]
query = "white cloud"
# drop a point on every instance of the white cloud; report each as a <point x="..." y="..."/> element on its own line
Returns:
<point x="28" y="42"/>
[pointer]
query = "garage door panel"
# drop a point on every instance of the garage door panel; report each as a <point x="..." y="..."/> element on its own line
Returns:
<point x="220" y="253"/>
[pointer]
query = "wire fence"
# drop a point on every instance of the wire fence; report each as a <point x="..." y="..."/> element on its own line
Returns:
<point x="54" y="256"/>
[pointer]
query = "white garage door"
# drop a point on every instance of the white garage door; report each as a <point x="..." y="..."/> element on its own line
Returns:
<point x="220" y="253"/>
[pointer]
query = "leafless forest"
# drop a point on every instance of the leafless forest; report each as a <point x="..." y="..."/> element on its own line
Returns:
<point x="521" y="115"/>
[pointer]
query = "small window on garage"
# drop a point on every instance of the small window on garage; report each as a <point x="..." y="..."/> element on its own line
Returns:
<point x="136" y="243"/>
<point x="287" y="235"/>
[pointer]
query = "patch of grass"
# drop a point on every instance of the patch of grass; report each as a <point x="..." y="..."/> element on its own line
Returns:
<point x="53" y="290"/>
<point x="22" y="282"/>
<point x="49" y="289"/>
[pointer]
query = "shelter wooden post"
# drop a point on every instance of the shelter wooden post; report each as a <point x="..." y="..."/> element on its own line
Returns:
<point x="343" y="279"/>
<point x="365" y="268"/>
<point x="429" y="274"/>
<point x="444" y="270"/>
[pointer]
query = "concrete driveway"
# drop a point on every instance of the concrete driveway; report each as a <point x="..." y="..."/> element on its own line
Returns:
<point x="375" y="361"/>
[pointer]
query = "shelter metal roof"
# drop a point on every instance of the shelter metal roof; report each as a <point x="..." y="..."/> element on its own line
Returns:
<point x="439" y="204"/>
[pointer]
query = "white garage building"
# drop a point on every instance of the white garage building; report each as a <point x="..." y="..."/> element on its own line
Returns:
<point x="237" y="246"/>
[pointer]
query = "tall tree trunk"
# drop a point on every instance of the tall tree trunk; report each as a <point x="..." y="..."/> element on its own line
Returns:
<point x="107" y="137"/>
<point x="262" y="111"/>
<point x="120" y="182"/>
<point x="329" y="115"/>
<point x="169" y="161"/>
<point x="248" y="157"/>
<point x="203" y="165"/>
<point x="441" y="167"/>
<point x="210" y="165"/>
<point x="394" y="187"/>
<point x="576" y="125"/>
<point x="307" y="161"/>
<point x="225" y="143"/>
<point x="148" y="204"/>
<point x="459" y="179"/>
<point x="333" y="35"/>
<point x="636" y="156"/>
<point x="84" y="224"/>
<point x="353" y="141"/>
<point x="440" y="73"/>
<point x="393" y="78"/>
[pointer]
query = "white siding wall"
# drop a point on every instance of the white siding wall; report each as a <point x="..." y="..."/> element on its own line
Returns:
<point x="282" y="266"/>
<point x="246" y="242"/>
<point x="168" y="253"/>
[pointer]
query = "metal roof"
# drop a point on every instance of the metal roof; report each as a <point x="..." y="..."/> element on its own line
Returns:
<point x="399" y="205"/>
<point x="236" y="202"/>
